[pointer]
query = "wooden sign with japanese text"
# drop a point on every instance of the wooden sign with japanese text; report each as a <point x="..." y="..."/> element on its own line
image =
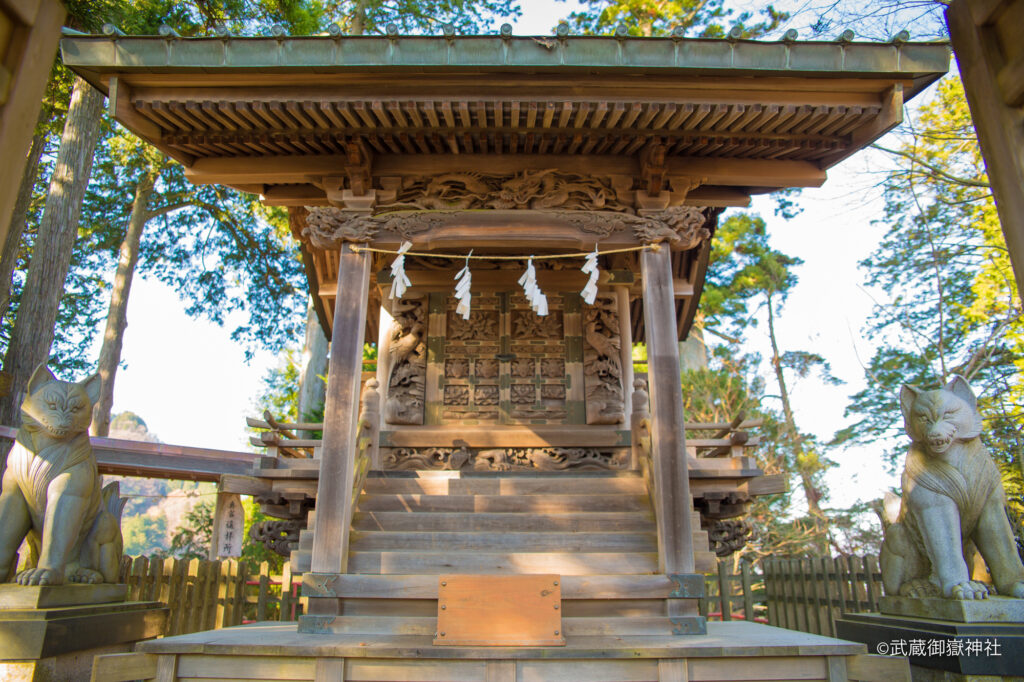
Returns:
<point x="228" y="526"/>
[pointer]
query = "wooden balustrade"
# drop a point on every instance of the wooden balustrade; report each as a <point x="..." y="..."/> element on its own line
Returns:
<point x="207" y="595"/>
<point x="808" y="594"/>
<point x="797" y="594"/>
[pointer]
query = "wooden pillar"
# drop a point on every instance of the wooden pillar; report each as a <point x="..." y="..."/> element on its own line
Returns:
<point x="384" y="350"/>
<point x="626" y="347"/>
<point x="668" y="448"/>
<point x="341" y="413"/>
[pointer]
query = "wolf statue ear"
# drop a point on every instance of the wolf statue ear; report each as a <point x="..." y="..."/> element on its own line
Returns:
<point x="908" y="394"/>
<point x="40" y="377"/>
<point x="959" y="387"/>
<point x="92" y="387"/>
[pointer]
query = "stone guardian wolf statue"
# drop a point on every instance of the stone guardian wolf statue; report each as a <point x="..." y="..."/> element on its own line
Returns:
<point x="51" y="491"/>
<point x="952" y="499"/>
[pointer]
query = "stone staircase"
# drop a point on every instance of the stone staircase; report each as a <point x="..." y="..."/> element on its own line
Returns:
<point x="595" y="529"/>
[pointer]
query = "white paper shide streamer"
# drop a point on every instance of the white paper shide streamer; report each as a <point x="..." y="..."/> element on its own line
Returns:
<point x="589" y="292"/>
<point x="463" y="281"/>
<point x="538" y="301"/>
<point x="399" y="280"/>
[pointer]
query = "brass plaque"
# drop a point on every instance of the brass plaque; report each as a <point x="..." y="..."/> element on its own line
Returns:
<point x="499" y="610"/>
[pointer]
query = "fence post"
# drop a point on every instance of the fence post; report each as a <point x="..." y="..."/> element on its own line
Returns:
<point x="869" y="582"/>
<point x="724" y="591"/>
<point x="223" y="577"/>
<point x="286" y="592"/>
<point x="748" y="597"/>
<point x="197" y="575"/>
<point x="135" y="586"/>
<point x="176" y="594"/>
<point x="827" y="589"/>
<point x="264" y="587"/>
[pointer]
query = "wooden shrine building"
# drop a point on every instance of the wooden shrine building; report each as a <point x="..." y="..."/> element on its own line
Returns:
<point x="506" y="446"/>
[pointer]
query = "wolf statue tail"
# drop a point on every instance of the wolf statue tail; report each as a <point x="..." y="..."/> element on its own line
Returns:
<point x="112" y="500"/>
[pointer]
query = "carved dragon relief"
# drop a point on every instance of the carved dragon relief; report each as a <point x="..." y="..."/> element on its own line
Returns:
<point x="506" y="459"/>
<point x="407" y="360"/>
<point x="602" y="363"/>
<point x="682" y="227"/>
<point x="538" y="190"/>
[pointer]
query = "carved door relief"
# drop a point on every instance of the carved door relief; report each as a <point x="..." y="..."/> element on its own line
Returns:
<point x="406" y="357"/>
<point x="471" y="372"/>
<point x="538" y="380"/>
<point x="602" y="362"/>
<point x="505" y="364"/>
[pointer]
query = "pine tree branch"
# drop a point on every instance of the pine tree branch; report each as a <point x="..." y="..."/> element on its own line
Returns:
<point x="934" y="170"/>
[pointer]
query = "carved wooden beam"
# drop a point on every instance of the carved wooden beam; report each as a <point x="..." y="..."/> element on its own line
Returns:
<point x="359" y="163"/>
<point x="681" y="227"/>
<point x="652" y="167"/>
<point x="728" y="172"/>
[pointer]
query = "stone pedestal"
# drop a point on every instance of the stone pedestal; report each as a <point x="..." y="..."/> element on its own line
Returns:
<point x="52" y="633"/>
<point x="946" y="640"/>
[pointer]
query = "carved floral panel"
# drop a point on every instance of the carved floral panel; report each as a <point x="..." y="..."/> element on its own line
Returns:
<point x="505" y="459"/>
<point x="602" y="362"/>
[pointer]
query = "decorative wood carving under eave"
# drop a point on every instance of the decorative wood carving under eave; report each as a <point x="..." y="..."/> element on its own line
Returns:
<point x="682" y="227"/>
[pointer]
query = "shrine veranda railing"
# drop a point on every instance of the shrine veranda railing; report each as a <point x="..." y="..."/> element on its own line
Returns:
<point x="206" y="595"/>
<point x="808" y="594"/>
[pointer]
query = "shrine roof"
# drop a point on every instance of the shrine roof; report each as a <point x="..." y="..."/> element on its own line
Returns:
<point x="332" y="120"/>
<point x="743" y="116"/>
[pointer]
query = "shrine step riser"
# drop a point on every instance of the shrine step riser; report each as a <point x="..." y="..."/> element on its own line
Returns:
<point x="493" y="542"/>
<point x="503" y="522"/>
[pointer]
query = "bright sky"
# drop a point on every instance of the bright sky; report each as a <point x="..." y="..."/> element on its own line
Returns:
<point x="191" y="385"/>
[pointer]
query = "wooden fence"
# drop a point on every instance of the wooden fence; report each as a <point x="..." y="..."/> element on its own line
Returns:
<point x="206" y="595"/>
<point x="797" y="594"/>
<point x="808" y="594"/>
<point x="734" y="596"/>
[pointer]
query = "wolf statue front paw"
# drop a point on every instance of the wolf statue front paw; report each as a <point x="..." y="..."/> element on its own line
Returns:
<point x="1016" y="590"/>
<point x="918" y="588"/>
<point x="970" y="589"/>
<point x="86" y="576"/>
<point x="40" y="576"/>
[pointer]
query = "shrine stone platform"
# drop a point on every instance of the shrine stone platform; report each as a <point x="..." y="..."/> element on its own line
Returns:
<point x="999" y="654"/>
<point x="53" y="633"/>
<point x="730" y="651"/>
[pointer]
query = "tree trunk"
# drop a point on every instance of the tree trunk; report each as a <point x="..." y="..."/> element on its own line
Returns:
<point x="358" y="23"/>
<point x="312" y="388"/>
<point x="51" y="257"/>
<point x="117" y="315"/>
<point x="18" y="217"/>
<point x="804" y="469"/>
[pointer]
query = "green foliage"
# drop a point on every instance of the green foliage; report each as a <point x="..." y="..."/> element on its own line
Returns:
<point x="144" y="534"/>
<point x="280" y="392"/>
<point x="697" y="18"/>
<point x="744" y="269"/>
<point x="191" y="540"/>
<point x="947" y="297"/>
